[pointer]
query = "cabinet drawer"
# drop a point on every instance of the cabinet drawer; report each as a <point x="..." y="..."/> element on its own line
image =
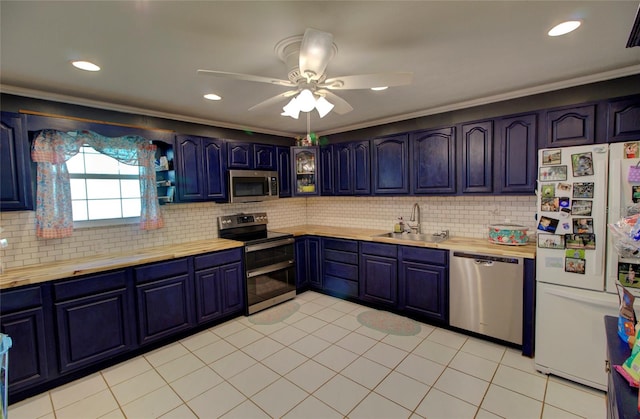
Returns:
<point x="162" y="270"/>
<point x="341" y="270"/>
<point x="210" y="260"/>
<point x="436" y="256"/>
<point x="379" y="249"/>
<point x="20" y="299"/>
<point x="91" y="285"/>
<point x="338" y="244"/>
<point x="339" y="256"/>
<point x="340" y="286"/>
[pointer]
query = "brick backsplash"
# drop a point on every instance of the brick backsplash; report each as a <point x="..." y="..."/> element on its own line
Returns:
<point x="462" y="216"/>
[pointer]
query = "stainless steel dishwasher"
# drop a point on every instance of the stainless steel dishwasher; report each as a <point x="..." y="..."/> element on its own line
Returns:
<point x="485" y="294"/>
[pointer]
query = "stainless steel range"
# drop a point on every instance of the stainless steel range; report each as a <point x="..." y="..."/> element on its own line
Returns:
<point x="268" y="256"/>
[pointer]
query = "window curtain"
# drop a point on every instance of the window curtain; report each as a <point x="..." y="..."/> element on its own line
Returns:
<point x="51" y="149"/>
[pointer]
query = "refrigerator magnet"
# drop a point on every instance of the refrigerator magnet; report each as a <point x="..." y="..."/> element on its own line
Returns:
<point x="563" y="202"/>
<point x="582" y="164"/>
<point x="548" y="224"/>
<point x="583" y="190"/>
<point x="582" y="225"/>
<point x="548" y="190"/>
<point x="565" y="212"/>
<point x="549" y="204"/>
<point x="580" y="241"/>
<point x="581" y="207"/>
<point x="550" y="241"/>
<point x="630" y="150"/>
<point x="635" y="194"/>
<point x="563" y="189"/>
<point x="574" y="253"/>
<point x="576" y="266"/>
<point x="551" y="157"/>
<point x="552" y="173"/>
<point x="629" y="274"/>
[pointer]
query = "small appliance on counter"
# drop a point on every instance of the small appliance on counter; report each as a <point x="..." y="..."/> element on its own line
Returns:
<point x="268" y="259"/>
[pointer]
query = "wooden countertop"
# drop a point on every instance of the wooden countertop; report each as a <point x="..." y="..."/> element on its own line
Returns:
<point x="453" y="243"/>
<point x="99" y="263"/>
<point x="82" y="266"/>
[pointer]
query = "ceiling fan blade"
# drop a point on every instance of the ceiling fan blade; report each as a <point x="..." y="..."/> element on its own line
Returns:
<point x="316" y="50"/>
<point x="246" y="77"/>
<point x="367" y="81"/>
<point x="341" y="106"/>
<point x="273" y="100"/>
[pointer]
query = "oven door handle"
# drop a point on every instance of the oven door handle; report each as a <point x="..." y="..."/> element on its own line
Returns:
<point x="268" y="245"/>
<point x="270" y="268"/>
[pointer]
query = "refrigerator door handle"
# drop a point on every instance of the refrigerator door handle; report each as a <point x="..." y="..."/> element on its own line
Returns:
<point x="571" y="296"/>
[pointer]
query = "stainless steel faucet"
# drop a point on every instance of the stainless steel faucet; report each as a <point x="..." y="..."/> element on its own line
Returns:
<point x="415" y="217"/>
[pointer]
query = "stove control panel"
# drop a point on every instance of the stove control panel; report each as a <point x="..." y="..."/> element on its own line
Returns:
<point x="241" y="220"/>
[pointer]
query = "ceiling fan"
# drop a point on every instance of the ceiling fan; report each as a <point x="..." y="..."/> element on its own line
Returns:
<point x="307" y="58"/>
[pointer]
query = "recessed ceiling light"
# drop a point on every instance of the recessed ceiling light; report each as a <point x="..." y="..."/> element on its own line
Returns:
<point x="212" y="96"/>
<point x="564" y="28"/>
<point x="85" y="65"/>
<point x="380" y="88"/>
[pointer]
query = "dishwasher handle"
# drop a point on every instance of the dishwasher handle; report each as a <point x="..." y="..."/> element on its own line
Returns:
<point x="487" y="260"/>
<point x="482" y="262"/>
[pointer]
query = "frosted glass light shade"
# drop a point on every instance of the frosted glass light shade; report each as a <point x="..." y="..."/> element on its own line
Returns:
<point x="305" y="100"/>
<point x="323" y="106"/>
<point x="291" y="109"/>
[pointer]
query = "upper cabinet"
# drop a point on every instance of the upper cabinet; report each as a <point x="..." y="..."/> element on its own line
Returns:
<point x="476" y="166"/>
<point x="623" y="119"/>
<point x="327" y="173"/>
<point x="516" y="154"/>
<point x="239" y="155"/>
<point x="200" y="169"/>
<point x="433" y="165"/>
<point x="305" y="171"/>
<point x="264" y="157"/>
<point x="390" y="165"/>
<point x="569" y="126"/>
<point x="352" y="168"/>
<point x="16" y="191"/>
<point x="283" y="157"/>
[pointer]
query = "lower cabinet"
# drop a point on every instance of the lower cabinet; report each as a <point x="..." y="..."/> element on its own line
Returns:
<point x="424" y="282"/>
<point x="164" y="292"/>
<point x="219" y="284"/>
<point x="94" y="319"/>
<point x="308" y="267"/>
<point x="379" y="273"/>
<point x="340" y="267"/>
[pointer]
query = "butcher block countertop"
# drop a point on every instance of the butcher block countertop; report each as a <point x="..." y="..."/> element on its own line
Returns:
<point x="82" y="266"/>
<point x="88" y="265"/>
<point x="453" y="243"/>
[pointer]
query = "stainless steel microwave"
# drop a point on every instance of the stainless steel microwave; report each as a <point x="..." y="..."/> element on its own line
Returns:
<point x="253" y="185"/>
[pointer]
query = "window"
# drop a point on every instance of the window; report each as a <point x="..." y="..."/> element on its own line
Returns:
<point x="103" y="188"/>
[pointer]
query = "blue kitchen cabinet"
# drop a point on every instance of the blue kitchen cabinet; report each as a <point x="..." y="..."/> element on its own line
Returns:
<point x="165" y="299"/>
<point x="24" y="317"/>
<point x="308" y="266"/>
<point x="516" y="154"/>
<point x="240" y="155"/>
<point x="264" y="157"/>
<point x="390" y="165"/>
<point x="219" y="283"/>
<point x="200" y="169"/>
<point x="623" y="119"/>
<point x="283" y="156"/>
<point x="352" y="168"/>
<point x="476" y="157"/>
<point x="568" y="126"/>
<point x="340" y="267"/>
<point x="16" y="191"/>
<point x="433" y="161"/>
<point x="94" y="319"/>
<point x="529" y="308"/>
<point x="378" y="282"/>
<point x="306" y="171"/>
<point x="327" y="170"/>
<point x="423" y="282"/>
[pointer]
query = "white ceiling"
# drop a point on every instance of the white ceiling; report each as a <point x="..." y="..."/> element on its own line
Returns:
<point x="461" y="53"/>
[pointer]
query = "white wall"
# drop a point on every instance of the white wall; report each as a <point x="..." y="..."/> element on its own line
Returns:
<point x="466" y="216"/>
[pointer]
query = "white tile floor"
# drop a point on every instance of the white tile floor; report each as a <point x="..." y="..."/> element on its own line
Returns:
<point x="319" y="363"/>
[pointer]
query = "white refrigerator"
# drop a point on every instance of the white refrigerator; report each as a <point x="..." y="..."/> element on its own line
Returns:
<point x="571" y="293"/>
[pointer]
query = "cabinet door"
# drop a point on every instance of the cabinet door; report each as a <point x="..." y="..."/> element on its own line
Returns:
<point x="314" y="262"/>
<point x="391" y="165"/>
<point x="361" y="168"/>
<point x="570" y="126"/>
<point x="215" y="187"/>
<point x="476" y="155"/>
<point x="189" y="170"/>
<point x="423" y="290"/>
<point x="23" y="319"/>
<point x="327" y="170"/>
<point x="433" y="162"/>
<point x="378" y="280"/>
<point x="239" y="155"/>
<point x="343" y="169"/>
<point x="232" y="288"/>
<point x="302" y="264"/>
<point x="516" y="154"/>
<point x="264" y="157"/>
<point x="15" y="164"/>
<point x="284" y="171"/>
<point x="306" y="171"/>
<point x="208" y="298"/>
<point x="624" y="120"/>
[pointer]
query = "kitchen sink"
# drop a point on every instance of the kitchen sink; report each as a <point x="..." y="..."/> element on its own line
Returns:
<point x="421" y="237"/>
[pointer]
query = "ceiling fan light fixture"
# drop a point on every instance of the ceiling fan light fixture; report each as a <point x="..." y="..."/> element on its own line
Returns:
<point x="291" y="109"/>
<point x="380" y="88"/>
<point x="323" y="106"/>
<point x="306" y="101"/>
<point x="564" y="28"/>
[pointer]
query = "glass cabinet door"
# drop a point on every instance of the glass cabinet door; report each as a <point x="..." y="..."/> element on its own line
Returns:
<point x="305" y="168"/>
